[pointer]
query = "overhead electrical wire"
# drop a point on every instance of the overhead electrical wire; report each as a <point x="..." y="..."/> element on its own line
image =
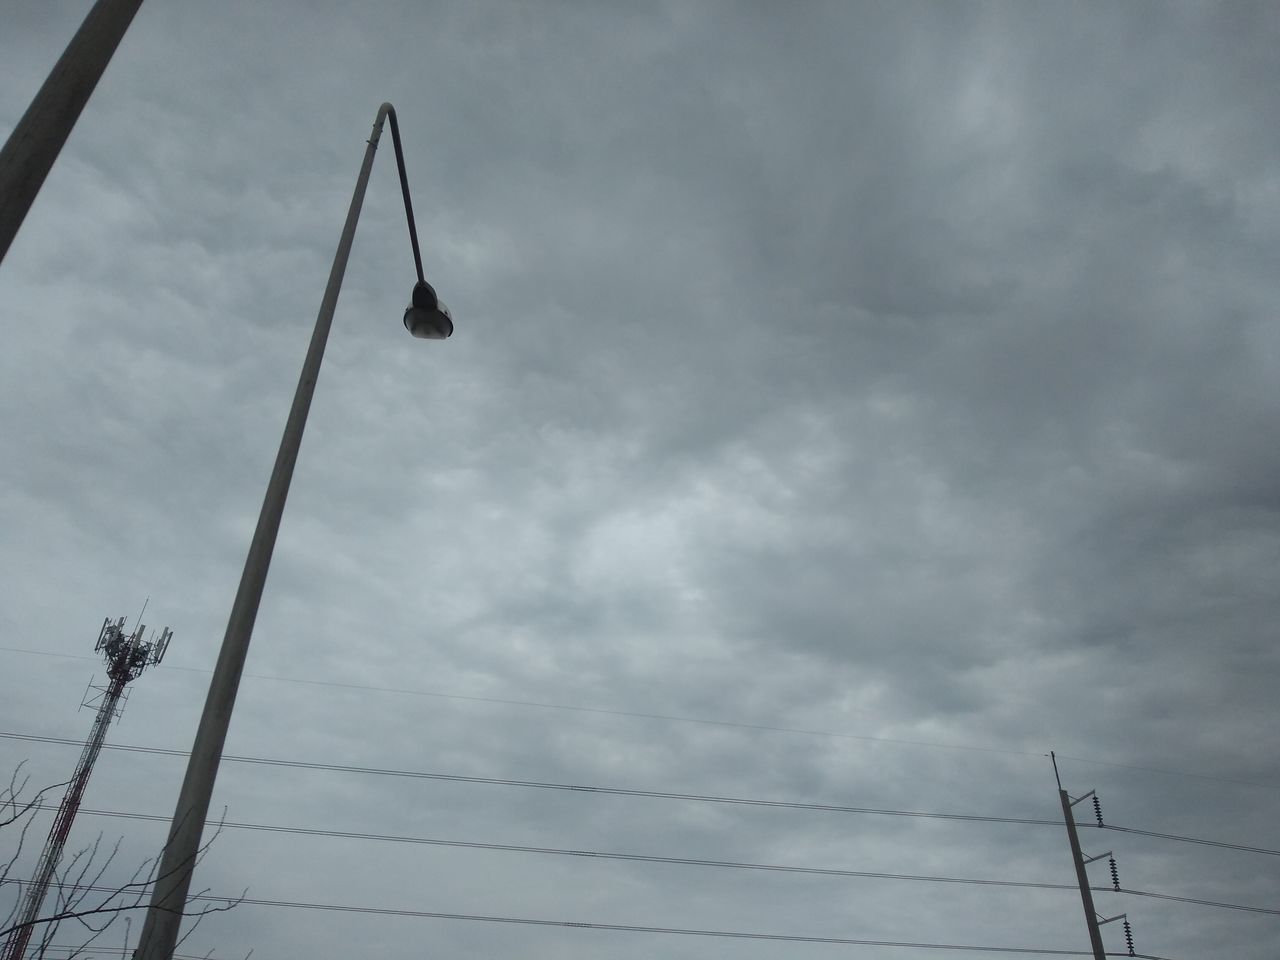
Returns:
<point x="73" y="951"/>
<point x="652" y="794"/>
<point x="707" y="721"/>
<point x="1173" y="773"/>
<point x="681" y="861"/>
<point x="589" y="854"/>
<point x="1208" y="843"/>
<point x="543" y="705"/>
<point x="1203" y="903"/>
<point x="547" y="785"/>
<point x="625" y="927"/>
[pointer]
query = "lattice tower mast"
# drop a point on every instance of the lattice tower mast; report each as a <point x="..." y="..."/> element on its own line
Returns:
<point x="126" y="656"/>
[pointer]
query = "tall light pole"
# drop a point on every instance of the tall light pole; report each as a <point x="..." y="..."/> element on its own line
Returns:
<point x="35" y="142"/>
<point x="426" y="318"/>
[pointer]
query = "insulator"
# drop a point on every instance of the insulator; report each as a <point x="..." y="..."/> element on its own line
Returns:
<point x="1115" y="875"/>
<point x="1128" y="937"/>
<point x="1097" y="810"/>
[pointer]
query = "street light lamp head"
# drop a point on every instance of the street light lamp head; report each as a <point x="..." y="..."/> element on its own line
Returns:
<point x="426" y="317"/>
<point x="424" y="324"/>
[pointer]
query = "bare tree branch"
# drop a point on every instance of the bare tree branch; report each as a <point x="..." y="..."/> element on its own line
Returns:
<point x="227" y="903"/>
<point x="83" y="875"/>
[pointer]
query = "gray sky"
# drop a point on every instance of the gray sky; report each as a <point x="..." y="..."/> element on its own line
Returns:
<point x="850" y="403"/>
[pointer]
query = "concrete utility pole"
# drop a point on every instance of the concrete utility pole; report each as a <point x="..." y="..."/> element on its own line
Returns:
<point x="29" y="152"/>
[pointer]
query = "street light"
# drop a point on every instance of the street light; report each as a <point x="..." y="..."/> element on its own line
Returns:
<point x="427" y="318"/>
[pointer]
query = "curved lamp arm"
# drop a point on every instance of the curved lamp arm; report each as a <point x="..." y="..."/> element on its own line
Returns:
<point x="387" y="110"/>
<point x="426" y="317"/>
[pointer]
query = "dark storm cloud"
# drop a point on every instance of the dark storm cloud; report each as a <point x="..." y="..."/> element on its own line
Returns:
<point x="897" y="371"/>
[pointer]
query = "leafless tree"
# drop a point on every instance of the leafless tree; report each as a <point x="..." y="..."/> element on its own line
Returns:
<point x="78" y="893"/>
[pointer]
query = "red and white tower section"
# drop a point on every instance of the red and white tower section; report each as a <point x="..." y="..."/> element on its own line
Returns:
<point x="126" y="656"/>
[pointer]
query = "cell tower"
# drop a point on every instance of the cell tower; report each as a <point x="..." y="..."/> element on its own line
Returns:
<point x="126" y="656"/>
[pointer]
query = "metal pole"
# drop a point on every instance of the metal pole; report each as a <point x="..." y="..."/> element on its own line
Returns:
<point x="1082" y="876"/>
<point x="35" y="142"/>
<point x="173" y="875"/>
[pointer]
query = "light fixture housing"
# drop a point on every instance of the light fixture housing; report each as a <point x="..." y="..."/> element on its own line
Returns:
<point x="426" y="317"/>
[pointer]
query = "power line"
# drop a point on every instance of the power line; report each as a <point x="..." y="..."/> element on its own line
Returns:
<point x="1173" y="773"/>
<point x="74" y="950"/>
<point x="678" y="931"/>
<point x="1203" y="903"/>
<point x="625" y="927"/>
<point x="682" y="861"/>
<point x="673" y="718"/>
<point x="652" y="794"/>
<point x="546" y="785"/>
<point x="592" y="854"/>
<point x="543" y="705"/>
<point x="1182" y="839"/>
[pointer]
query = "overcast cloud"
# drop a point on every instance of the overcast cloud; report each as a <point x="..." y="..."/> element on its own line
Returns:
<point x="850" y="403"/>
